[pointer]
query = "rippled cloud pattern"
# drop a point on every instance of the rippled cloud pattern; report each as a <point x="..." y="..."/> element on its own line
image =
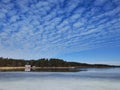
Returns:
<point x="46" y="28"/>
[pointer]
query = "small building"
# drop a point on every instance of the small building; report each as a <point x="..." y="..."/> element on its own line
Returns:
<point x="27" y="68"/>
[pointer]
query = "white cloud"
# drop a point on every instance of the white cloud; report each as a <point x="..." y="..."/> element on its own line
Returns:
<point x="46" y="28"/>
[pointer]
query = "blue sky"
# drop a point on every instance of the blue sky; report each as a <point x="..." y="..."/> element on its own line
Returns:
<point x="74" y="30"/>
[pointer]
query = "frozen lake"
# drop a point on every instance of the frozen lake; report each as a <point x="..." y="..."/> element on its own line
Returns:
<point x="93" y="79"/>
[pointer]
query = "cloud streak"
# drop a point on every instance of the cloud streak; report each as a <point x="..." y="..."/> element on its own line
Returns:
<point x="47" y="28"/>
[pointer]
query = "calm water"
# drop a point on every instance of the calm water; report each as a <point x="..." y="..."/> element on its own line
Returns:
<point x="93" y="79"/>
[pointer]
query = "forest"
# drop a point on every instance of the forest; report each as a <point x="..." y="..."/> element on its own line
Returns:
<point x="44" y="62"/>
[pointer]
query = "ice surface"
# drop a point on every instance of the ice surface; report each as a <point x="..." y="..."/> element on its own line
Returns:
<point x="59" y="81"/>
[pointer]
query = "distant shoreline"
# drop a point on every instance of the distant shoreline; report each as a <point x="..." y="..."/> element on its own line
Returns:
<point x="35" y="68"/>
<point x="53" y="64"/>
<point x="46" y="68"/>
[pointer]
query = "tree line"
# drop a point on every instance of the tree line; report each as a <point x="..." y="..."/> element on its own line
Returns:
<point x="43" y="62"/>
